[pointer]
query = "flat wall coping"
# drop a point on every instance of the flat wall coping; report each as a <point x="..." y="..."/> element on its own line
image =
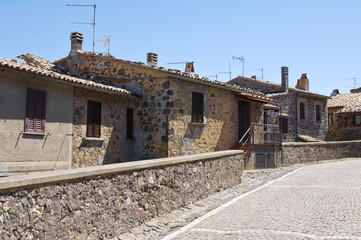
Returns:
<point x="318" y="143"/>
<point x="39" y="178"/>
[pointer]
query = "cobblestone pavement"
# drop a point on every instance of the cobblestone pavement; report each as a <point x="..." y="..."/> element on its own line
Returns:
<point x="321" y="201"/>
<point x="166" y="224"/>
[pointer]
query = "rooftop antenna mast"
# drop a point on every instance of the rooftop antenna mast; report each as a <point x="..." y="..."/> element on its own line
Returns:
<point x="229" y="72"/>
<point x="242" y="60"/>
<point x="106" y="41"/>
<point x="261" y="72"/>
<point x="354" y="82"/>
<point x="212" y="77"/>
<point x="92" y="23"/>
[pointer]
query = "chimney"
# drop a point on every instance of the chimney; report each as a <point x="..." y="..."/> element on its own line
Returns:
<point x="254" y="77"/>
<point x="189" y="67"/>
<point x="335" y="92"/>
<point x="76" y="39"/>
<point x="284" y="73"/>
<point x="303" y="83"/>
<point x="152" y="59"/>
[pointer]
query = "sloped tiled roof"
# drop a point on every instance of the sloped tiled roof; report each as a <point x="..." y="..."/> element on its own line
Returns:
<point x="348" y="103"/>
<point x="177" y="73"/>
<point x="45" y="71"/>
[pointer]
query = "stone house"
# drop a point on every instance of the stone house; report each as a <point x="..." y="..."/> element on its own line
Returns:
<point x="179" y="113"/>
<point x="344" y="116"/>
<point x="301" y="114"/>
<point x="45" y="125"/>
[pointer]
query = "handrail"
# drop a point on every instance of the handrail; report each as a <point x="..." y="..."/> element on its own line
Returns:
<point x="249" y="129"/>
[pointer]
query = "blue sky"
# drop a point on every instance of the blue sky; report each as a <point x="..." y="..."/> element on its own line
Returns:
<point x="318" y="37"/>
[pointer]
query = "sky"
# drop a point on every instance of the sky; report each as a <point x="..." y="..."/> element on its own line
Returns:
<point x="318" y="37"/>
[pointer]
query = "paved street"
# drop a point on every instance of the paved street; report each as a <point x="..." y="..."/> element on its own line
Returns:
<point x="314" y="202"/>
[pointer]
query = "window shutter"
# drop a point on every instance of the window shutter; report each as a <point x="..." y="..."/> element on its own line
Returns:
<point x="130" y="114"/>
<point x="197" y="107"/>
<point x="284" y="125"/>
<point x="35" y="111"/>
<point x="94" y="119"/>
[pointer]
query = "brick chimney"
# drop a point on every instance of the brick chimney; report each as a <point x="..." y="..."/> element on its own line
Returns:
<point x="303" y="83"/>
<point x="189" y="67"/>
<point x="254" y="77"/>
<point x="76" y="39"/>
<point x="152" y="59"/>
<point x="284" y="74"/>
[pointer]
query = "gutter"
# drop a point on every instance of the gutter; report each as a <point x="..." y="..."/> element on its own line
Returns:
<point x="297" y="94"/>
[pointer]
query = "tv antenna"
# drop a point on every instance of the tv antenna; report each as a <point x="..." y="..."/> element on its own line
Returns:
<point x="229" y="72"/>
<point x="261" y="69"/>
<point x="106" y="41"/>
<point x="354" y="82"/>
<point x="92" y="23"/>
<point x="212" y="77"/>
<point x="177" y="63"/>
<point x="242" y="60"/>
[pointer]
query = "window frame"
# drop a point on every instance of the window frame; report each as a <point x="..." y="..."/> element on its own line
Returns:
<point x="197" y="107"/>
<point x="318" y="113"/>
<point x="130" y="124"/>
<point x="354" y="119"/>
<point x="302" y="110"/>
<point x="33" y="109"/>
<point x="284" y="122"/>
<point x="94" y="115"/>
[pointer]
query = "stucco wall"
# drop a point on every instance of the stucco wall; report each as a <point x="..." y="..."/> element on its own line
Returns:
<point x="294" y="153"/>
<point x="21" y="152"/>
<point x="102" y="202"/>
<point x="112" y="146"/>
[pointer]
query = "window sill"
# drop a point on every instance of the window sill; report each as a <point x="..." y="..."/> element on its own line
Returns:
<point x="198" y="123"/>
<point x="34" y="134"/>
<point x="93" y="139"/>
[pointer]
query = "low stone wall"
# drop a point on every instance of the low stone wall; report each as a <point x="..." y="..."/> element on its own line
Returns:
<point x="103" y="201"/>
<point x="294" y="153"/>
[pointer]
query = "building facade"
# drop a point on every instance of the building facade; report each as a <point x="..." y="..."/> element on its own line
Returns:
<point x="344" y="116"/>
<point x="301" y="114"/>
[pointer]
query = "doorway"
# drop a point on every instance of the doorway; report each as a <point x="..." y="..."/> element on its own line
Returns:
<point x="244" y="117"/>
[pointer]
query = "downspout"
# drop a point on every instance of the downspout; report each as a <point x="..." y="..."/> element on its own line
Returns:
<point x="281" y="134"/>
<point x="296" y="117"/>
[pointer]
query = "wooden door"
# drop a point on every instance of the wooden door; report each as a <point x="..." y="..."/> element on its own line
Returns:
<point x="244" y="117"/>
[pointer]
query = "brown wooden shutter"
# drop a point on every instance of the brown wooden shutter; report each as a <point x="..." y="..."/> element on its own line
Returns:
<point x="197" y="107"/>
<point x="94" y="119"/>
<point x="35" y="111"/>
<point x="285" y="125"/>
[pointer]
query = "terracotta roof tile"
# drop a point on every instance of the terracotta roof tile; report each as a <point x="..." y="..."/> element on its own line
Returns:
<point x="349" y="102"/>
<point x="47" y="72"/>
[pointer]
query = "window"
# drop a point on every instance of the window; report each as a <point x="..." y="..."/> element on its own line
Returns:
<point x="93" y="119"/>
<point x="35" y="111"/>
<point x="357" y="119"/>
<point x="130" y="114"/>
<point x="284" y="125"/>
<point x="330" y="119"/>
<point x="318" y="113"/>
<point x="302" y="110"/>
<point x="197" y="107"/>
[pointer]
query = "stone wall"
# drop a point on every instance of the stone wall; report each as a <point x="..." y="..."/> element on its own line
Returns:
<point x="343" y="128"/>
<point x="112" y="146"/>
<point x="104" y="201"/>
<point x="294" y="153"/>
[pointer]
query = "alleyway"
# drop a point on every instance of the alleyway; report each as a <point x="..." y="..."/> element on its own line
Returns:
<point x="320" y="201"/>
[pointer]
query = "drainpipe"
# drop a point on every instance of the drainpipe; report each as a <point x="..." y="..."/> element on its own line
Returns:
<point x="281" y="134"/>
<point x="297" y="117"/>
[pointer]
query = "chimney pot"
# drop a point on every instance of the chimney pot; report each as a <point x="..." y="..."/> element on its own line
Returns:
<point x="152" y="59"/>
<point x="254" y="77"/>
<point x="189" y="67"/>
<point x="284" y="73"/>
<point x="335" y="92"/>
<point x="76" y="39"/>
